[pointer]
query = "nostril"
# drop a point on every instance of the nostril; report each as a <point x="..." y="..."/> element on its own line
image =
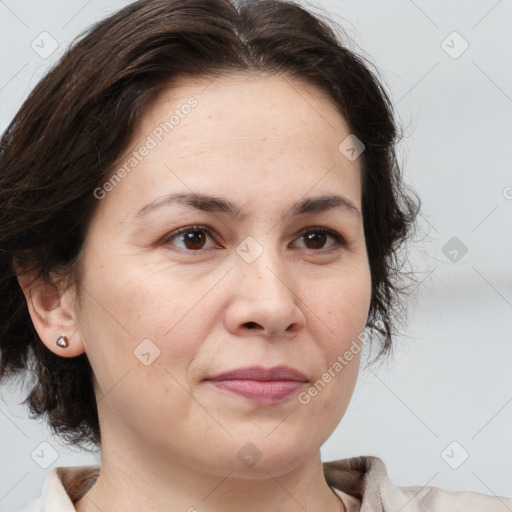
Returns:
<point x="251" y="325"/>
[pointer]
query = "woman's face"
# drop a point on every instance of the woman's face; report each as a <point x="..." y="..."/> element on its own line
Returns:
<point x="162" y="313"/>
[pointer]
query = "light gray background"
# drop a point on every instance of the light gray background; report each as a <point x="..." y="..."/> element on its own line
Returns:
<point x="451" y="379"/>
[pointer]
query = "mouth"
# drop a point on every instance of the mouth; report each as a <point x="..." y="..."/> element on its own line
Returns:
<point x="260" y="385"/>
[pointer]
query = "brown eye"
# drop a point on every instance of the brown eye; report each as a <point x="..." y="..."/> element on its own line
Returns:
<point x="193" y="238"/>
<point x="315" y="238"/>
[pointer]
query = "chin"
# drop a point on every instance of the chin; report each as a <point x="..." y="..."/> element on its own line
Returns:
<point x="259" y="457"/>
<point x="278" y="463"/>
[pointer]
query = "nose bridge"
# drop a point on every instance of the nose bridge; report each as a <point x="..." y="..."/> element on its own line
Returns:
<point x="264" y="296"/>
<point x="262" y="268"/>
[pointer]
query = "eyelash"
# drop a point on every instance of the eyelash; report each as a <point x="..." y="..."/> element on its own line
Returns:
<point x="340" y="242"/>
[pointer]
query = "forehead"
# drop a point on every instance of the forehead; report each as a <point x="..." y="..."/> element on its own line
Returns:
<point x="239" y="111"/>
<point x="239" y="133"/>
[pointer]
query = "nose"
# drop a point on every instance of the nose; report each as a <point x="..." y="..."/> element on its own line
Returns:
<point x="264" y="301"/>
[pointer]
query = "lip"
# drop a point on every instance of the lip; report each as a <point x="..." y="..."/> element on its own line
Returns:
<point x="260" y="385"/>
<point x="262" y="374"/>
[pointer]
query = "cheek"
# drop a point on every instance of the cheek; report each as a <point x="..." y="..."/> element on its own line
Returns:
<point x="343" y="303"/>
<point x="326" y="400"/>
<point x="343" y="374"/>
<point x="136" y="313"/>
<point x="119" y="313"/>
<point x="342" y="310"/>
<point x="142" y="300"/>
<point x="140" y="336"/>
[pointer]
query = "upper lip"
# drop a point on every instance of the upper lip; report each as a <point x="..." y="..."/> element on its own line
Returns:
<point x="260" y="373"/>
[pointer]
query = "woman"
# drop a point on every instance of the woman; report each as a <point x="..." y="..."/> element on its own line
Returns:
<point x="201" y="212"/>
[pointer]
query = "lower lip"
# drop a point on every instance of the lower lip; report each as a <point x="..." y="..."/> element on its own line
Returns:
<point x="266" y="392"/>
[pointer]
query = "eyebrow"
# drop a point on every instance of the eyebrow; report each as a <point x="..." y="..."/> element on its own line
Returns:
<point x="211" y="203"/>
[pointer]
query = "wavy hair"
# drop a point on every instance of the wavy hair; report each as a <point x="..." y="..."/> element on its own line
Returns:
<point x="65" y="139"/>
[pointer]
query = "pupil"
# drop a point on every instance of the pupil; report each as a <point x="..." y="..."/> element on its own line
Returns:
<point x="319" y="238"/>
<point x="194" y="237"/>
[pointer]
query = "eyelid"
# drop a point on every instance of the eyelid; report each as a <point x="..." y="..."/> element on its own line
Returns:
<point x="340" y="241"/>
<point x="177" y="232"/>
<point x="338" y="237"/>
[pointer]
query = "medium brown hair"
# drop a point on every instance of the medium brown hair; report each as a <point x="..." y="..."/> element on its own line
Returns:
<point x="65" y="139"/>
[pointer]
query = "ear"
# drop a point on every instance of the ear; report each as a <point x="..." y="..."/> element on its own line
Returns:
<point x="52" y="312"/>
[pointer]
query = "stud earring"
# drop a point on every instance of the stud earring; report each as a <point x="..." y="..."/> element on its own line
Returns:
<point x="62" y="341"/>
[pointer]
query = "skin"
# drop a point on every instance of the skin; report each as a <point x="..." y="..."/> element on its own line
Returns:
<point x="169" y="438"/>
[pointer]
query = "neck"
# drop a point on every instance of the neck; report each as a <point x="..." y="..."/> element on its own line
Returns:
<point x="132" y="479"/>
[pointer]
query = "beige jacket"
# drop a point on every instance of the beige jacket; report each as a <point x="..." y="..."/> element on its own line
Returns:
<point x="361" y="482"/>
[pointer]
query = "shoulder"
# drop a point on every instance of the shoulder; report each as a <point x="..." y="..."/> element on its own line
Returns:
<point x="63" y="486"/>
<point x="419" y="499"/>
<point x="34" y="506"/>
<point x="366" y="479"/>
